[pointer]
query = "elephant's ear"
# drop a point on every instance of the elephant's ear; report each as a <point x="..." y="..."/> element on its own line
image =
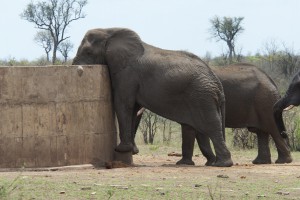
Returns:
<point x="123" y="48"/>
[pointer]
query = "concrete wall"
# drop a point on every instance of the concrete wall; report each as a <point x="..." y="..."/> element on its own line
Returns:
<point x="55" y="116"/>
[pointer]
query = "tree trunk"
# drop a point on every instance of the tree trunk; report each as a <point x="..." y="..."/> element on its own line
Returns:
<point x="170" y="131"/>
<point x="231" y="49"/>
<point x="54" y="54"/>
<point x="164" y="131"/>
<point x="145" y="136"/>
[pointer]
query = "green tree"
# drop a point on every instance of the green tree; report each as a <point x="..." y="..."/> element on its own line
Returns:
<point x="54" y="16"/>
<point x="227" y="29"/>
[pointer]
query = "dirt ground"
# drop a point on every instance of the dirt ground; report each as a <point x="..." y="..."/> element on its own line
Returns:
<point x="157" y="176"/>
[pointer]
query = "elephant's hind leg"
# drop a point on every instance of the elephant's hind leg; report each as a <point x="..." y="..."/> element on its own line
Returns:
<point x="188" y="140"/>
<point x="264" y="155"/>
<point x="204" y="145"/>
<point x="213" y="129"/>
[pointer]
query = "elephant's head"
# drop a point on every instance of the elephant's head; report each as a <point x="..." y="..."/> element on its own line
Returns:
<point x="114" y="47"/>
<point x="290" y="99"/>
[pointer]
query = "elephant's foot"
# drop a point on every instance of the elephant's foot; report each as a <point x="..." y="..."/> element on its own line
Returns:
<point x="135" y="149"/>
<point x="210" y="162"/>
<point x="222" y="163"/>
<point x="287" y="159"/>
<point x="185" y="161"/>
<point x="124" y="147"/>
<point x="258" y="161"/>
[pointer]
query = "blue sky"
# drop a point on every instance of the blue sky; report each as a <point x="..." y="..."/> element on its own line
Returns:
<point x="168" y="24"/>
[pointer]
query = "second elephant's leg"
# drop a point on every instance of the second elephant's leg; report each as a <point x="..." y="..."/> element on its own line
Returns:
<point x="283" y="149"/>
<point x="264" y="155"/>
<point x="205" y="147"/>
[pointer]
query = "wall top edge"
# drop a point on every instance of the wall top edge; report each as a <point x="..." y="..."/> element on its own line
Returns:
<point x="53" y="66"/>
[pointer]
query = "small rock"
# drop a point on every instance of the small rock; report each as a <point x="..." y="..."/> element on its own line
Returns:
<point x="261" y="195"/>
<point x="93" y="193"/>
<point x="120" y="186"/>
<point x="86" y="188"/>
<point x="175" y="154"/>
<point x="222" y="176"/>
<point x="282" y="193"/>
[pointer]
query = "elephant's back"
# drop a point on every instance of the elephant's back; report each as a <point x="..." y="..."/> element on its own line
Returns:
<point x="246" y="89"/>
<point x="178" y="63"/>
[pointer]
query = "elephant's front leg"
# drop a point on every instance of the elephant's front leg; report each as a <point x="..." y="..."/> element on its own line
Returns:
<point x="125" y="112"/>
<point x="187" y="148"/>
<point x="138" y="113"/>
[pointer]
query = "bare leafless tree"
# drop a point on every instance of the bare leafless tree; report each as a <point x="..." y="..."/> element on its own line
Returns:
<point x="149" y="126"/>
<point x="270" y="51"/>
<point x="288" y="62"/>
<point x="54" y="16"/>
<point x="64" y="48"/>
<point x="44" y="39"/>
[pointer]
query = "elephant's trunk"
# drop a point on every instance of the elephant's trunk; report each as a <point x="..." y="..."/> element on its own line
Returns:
<point x="278" y="108"/>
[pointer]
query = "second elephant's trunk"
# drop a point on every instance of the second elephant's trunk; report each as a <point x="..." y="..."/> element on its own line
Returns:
<point x="277" y="113"/>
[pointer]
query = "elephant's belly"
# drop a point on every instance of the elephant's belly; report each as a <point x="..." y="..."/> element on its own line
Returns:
<point x="241" y="118"/>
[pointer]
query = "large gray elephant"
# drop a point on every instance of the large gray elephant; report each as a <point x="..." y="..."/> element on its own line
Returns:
<point x="287" y="102"/>
<point x="250" y="95"/>
<point x="174" y="84"/>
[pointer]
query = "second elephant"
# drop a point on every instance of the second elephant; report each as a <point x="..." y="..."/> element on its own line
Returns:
<point x="250" y="95"/>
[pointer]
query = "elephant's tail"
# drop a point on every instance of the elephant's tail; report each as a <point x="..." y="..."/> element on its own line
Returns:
<point x="223" y="116"/>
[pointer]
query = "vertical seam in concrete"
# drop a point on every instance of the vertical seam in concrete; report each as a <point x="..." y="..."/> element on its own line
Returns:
<point x="22" y="121"/>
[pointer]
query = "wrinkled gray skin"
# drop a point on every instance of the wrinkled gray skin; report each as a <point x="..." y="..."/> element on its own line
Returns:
<point x="250" y="95"/>
<point x="174" y="84"/>
<point x="288" y="101"/>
